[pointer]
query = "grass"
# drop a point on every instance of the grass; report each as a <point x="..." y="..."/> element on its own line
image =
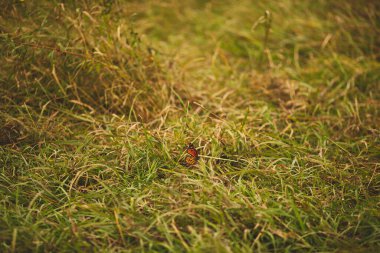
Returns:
<point x="98" y="100"/>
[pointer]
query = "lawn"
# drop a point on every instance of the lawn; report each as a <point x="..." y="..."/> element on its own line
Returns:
<point x="99" y="99"/>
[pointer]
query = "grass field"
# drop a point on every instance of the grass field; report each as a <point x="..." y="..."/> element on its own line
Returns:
<point x="98" y="101"/>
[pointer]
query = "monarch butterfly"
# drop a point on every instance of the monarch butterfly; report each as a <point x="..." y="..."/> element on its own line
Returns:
<point x="192" y="156"/>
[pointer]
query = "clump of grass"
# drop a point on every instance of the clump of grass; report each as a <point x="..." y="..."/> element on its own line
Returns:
<point x="98" y="100"/>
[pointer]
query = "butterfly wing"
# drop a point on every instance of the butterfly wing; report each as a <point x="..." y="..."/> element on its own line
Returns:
<point x="190" y="161"/>
<point x="192" y="156"/>
<point x="192" y="151"/>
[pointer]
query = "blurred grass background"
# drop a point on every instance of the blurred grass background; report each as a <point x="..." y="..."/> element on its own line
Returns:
<point x="98" y="99"/>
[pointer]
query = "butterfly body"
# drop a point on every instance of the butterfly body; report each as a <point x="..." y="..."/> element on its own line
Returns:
<point x="192" y="156"/>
